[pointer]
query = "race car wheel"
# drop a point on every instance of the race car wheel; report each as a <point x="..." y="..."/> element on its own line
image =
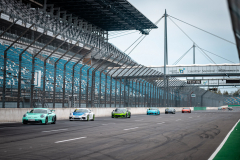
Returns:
<point x="24" y="122"/>
<point x="126" y="115"/>
<point x="54" y="120"/>
<point x="46" y="121"/>
<point x="129" y="116"/>
<point x="88" y="118"/>
<point x="93" y="117"/>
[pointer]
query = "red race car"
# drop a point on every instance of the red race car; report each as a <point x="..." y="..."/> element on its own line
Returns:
<point x="186" y="110"/>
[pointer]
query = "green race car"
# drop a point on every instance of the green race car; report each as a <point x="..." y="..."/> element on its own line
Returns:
<point x="121" y="112"/>
<point x="40" y="115"/>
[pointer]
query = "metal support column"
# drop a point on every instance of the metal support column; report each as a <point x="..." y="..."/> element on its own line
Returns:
<point x="5" y="64"/>
<point x="165" y="55"/>
<point x="55" y="73"/>
<point x="20" y="67"/>
<point x="44" y="73"/>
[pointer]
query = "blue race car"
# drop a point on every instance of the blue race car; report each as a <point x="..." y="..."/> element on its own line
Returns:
<point x="153" y="111"/>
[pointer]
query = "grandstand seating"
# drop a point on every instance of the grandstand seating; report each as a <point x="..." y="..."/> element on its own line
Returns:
<point x="13" y="66"/>
<point x="232" y="101"/>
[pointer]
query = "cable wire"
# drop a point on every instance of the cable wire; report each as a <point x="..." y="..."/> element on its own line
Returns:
<point x="136" y="45"/>
<point x="133" y="43"/>
<point x="216" y="55"/>
<point x="193" y="41"/>
<point x="123" y="35"/>
<point x="114" y="33"/>
<point x="181" y="57"/>
<point x="143" y="37"/>
<point x="204" y="30"/>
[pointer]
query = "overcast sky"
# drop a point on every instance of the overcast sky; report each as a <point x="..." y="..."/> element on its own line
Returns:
<point x="210" y="15"/>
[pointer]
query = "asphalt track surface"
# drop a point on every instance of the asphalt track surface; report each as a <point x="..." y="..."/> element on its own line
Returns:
<point x="182" y="136"/>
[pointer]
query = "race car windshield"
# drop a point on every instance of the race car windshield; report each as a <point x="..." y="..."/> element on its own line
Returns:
<point x="120" y="110"/>
<point x="153" y="108"/>
<point x="38" y="111"/>
<point x="81" y="110"/>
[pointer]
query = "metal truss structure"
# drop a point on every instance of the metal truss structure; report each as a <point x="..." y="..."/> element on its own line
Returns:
<point x="51" y="61"/>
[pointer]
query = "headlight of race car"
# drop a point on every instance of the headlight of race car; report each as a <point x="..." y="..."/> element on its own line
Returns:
<point x="42" y="116"/>
<point x="24" y="115"/>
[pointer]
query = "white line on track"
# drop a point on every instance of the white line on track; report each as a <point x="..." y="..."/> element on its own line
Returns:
<point x="223" y="142"/>
<point x="55" y="130"/>
<point x="130" y="128"/>
<point x="107" y="124"/>
<point x="70" y="139"/>
<point x="139" y="120"/>
<point x="161" y="123"/>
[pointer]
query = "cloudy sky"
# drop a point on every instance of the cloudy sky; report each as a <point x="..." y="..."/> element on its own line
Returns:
<point x="210" y="15"/>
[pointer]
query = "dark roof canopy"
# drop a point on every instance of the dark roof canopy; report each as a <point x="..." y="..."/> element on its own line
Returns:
<point x="234" y="9"/>
<point x="110" y="15"/>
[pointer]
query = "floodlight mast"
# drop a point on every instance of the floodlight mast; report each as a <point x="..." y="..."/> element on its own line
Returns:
<point x="165" y="56"/>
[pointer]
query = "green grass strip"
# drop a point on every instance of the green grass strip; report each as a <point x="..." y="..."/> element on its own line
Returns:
<point x="233" y="105"/>
<point x="231" y="148"/>
<point x="199" y="108"/>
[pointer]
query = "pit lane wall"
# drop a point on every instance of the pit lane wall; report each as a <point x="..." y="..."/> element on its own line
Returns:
<point x="15" y="114"/>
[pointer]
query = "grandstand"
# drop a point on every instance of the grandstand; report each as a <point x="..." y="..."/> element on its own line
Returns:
<point x="55" y="53"/>
<point x="232" y="101"/>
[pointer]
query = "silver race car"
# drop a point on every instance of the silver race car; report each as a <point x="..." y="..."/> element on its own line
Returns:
<point x="170" y="110"/>
<point x="82" y="114"/>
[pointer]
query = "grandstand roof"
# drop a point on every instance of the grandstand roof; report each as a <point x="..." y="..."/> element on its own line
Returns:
<point x="110" y="15"/>
<point x="234" y="10"/>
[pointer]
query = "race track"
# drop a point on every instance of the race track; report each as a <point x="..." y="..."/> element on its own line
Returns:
<point x="183" y="136"/>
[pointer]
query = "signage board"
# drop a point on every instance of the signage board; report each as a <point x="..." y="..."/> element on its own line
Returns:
<point x="193" y="81"/>
<point x="193" y="95"/>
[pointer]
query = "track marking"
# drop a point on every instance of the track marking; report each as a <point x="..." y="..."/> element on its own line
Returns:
<point x="107" y="124"/>
<point x="223" y="142"/>
<point x="139" y="120"/>
<point x="130" y="128"/>
<point x="55" y="130"/>
<point x="161" y="123"/>
<point x="70" y="139"/>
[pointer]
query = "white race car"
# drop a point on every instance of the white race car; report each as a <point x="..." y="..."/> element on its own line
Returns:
<point x="82" y="114"/>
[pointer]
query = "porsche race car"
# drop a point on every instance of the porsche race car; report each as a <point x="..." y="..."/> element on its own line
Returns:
<point x="121" y="112"/>
<point x="170" y="110"/>
<point x="82" y="114"/>
<point x="153" y="111"/>
<point x="40" y="115"/>
<point x="188" y="110"/>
